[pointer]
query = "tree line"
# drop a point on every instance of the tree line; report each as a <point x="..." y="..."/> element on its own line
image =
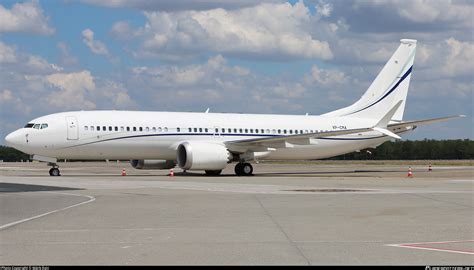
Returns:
<point x="416" y="150"/>
<point x="397" y="150"/>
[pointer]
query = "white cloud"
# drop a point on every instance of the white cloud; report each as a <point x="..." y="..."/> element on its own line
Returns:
<point x="66" y="58"/>
<point x="25" y="62"/>
<point x="122" y="30"/>
<point x="95" y="46"/>
<point x="323" y="9"/>
<point x="460" y="60"/>
<point x="325" y="76"/>
<point x="7" y="53"/>
<point x="176" y="5"/>
<point x="6" y="95"/>
<point x="264" y="31"/>
<point x="11" y="104"/>
<point x="24" y="17"/>
<point x="73" y="89"/>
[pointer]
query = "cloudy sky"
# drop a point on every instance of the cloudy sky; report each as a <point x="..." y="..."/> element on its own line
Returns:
<point x="250" y="56"/>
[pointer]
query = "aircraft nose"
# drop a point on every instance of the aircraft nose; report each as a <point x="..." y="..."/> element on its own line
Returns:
<point x="13" y="139"/>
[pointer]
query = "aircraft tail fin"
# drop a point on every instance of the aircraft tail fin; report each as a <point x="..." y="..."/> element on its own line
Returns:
<point x="389" y="87"/>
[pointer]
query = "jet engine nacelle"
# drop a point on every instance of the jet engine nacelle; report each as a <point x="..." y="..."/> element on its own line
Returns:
<point x="202" y="156"/>
<point x="152" y="164"/>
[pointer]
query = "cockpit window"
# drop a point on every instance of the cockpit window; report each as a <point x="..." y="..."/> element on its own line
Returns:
<point x="29" y="125"/>
<point x="37" y="126"/>
<point x="44" y="126"/>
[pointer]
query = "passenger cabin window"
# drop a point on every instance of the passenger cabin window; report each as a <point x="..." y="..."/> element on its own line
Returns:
<point x="92" y="128"/>
<point x="86" y="128"/>
<point x="178" y="129"/>
<point x="153" y="129"/>
<point x="122" y="129"/>
<point x="165" y="129"/>
<point x="104" y="128"/>
<point x="190" y="129"/>
<point x="128" y="128"/>
<point x="140" y="129"/>
<point x="110" y="128"/>
<point x="116" y="128"/>
<point x="134" y="128"/>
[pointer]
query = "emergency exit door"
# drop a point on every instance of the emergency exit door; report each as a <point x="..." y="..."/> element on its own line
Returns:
<point x="72" y="128"/>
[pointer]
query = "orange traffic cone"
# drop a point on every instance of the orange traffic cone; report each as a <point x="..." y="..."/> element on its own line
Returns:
<point x="410" y="173"/>
<point x="171" y="172"/>
<point x="123" y="172"/>
<point x="429" y="168"/>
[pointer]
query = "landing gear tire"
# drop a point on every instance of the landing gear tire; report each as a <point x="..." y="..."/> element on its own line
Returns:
<point x="243" y="169"/>
<point x="54" y="172"/>
<point x="213" y="172"/>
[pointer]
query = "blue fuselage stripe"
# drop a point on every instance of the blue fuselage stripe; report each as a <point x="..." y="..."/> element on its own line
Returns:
<point x="210" y="134"/>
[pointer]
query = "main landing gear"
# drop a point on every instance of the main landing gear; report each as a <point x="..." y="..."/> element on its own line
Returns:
<point x="54" y="171"/>
<point x="243" y="169"/>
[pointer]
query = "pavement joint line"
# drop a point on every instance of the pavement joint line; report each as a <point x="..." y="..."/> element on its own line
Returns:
<point x="282" y="230"/>
<point x="91" y="199"/>
<point x="420" y="246"/>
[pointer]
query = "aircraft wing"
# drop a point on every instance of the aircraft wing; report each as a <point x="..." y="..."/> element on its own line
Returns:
<point x="287" y="141"/>
<point x="414" y="124"/>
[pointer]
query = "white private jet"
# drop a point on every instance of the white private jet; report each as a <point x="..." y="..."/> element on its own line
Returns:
<point x="210" y="141"/>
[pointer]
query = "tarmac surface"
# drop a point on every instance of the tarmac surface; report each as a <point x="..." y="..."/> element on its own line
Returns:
<point x="287" y="214"/>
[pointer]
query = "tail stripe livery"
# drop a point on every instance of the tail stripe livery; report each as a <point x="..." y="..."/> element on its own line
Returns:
<point x="388" y="88"/>
<point x="388" y="93"/>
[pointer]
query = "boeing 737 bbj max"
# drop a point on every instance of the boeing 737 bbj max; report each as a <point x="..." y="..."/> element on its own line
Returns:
<point x="210" y="141"/>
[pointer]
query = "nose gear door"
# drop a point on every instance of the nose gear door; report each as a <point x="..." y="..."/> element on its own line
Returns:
<point x="72" y="128"/>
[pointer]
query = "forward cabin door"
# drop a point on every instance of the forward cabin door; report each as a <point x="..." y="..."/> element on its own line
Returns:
<point x="72" y="128"/>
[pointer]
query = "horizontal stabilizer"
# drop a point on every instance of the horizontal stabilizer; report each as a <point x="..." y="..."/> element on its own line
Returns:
<point x="387" y="132"/>
<point x="424" y="122"/>
<point x="388" y="116"/>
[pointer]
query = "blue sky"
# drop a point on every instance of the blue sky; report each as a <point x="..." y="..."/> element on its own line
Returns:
<point x="232" y="56"/>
